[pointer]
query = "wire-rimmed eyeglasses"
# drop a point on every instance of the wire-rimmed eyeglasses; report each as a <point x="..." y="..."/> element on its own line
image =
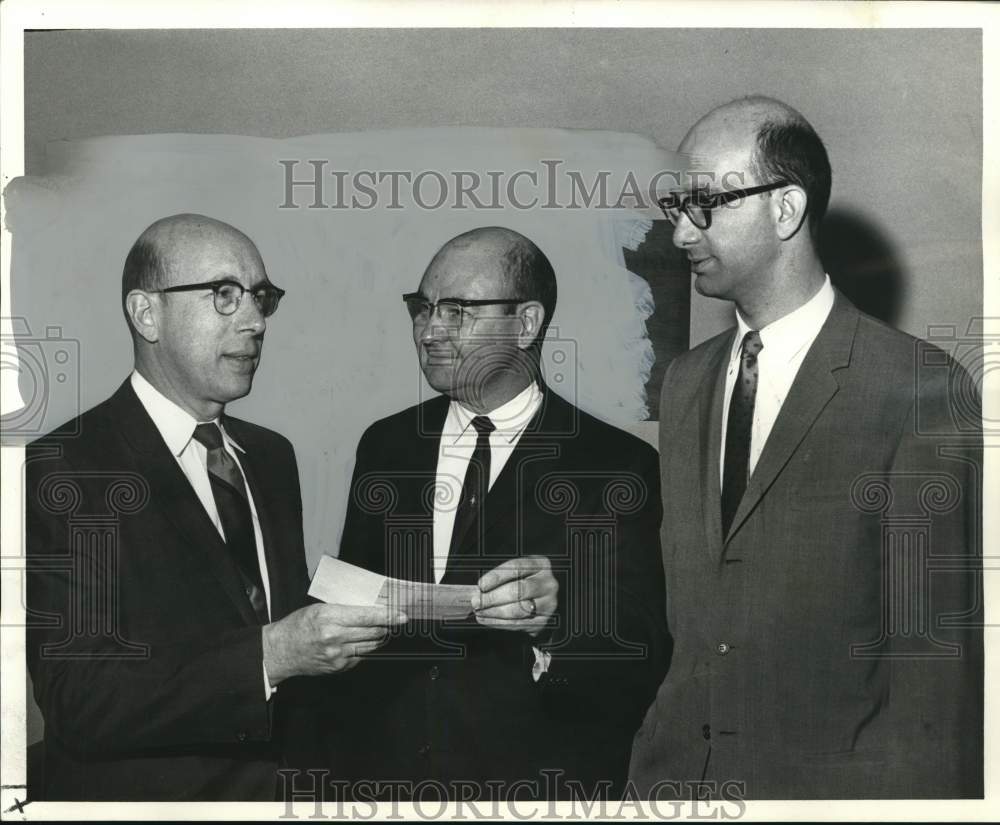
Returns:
<point x="227" y="295"/>
<point x="698" y="205"/>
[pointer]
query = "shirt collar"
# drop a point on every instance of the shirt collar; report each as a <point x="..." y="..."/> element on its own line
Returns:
<point x="510" y="418"/>
<point x="784" y="339"/>
<point x="175" y="424"/>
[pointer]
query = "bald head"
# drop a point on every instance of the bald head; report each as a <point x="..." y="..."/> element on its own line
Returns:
<point x="770" y="139"/>
<point x="163" y="250"/>
<point x="509" y="263"/>
<point x="746" y="115"/>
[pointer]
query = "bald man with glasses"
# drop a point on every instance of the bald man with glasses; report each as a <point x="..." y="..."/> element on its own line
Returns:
<point x="165" y="654"/>
<point x="551" y="516"/>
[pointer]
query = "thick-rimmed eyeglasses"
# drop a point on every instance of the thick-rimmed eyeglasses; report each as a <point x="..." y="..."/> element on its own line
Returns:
<point x="228" y="295"/>
<point x="451" y="311"/>
<point x="698" y="206"/>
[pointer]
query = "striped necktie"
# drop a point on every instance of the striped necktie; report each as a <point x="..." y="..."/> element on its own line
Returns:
<point x="231" y="501"/>
<point x="739" y="429"/>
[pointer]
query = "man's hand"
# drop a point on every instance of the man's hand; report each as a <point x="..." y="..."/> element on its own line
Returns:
<point x="324" y="638"/>
<point x="520" y="594"/>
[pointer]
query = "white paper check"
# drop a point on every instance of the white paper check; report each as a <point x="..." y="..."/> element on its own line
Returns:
<point x="337" y="582"/>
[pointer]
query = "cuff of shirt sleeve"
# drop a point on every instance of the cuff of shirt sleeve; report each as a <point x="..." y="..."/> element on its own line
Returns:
<point x="541" y="666"/>
<point x="268" y="690"/>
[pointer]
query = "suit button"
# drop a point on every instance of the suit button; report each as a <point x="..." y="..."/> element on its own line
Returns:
<point x="242" y="736"/>
<point x="722" y="649"/>
<point x="435" y="672"/>
<point x="423" y="750"/>
<point x="706" y="731"/>
<point x="248" y="591"/>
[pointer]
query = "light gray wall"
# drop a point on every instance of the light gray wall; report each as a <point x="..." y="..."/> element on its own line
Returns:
<point x="899" y="110"/>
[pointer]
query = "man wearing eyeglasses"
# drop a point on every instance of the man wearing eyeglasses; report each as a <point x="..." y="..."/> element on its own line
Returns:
<point x="821" y="500"/>
<point x="551" y="514"/>
<point x="161" y="655"/>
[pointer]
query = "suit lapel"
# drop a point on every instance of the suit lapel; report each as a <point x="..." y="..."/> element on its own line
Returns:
<point x="513" y="486"/>
<point x="814" y="386"/>
<point x="421" y="463"/>
<point x="509" y="492"/>
<point x="711" y="399"/>
<point x="175" y="497"/>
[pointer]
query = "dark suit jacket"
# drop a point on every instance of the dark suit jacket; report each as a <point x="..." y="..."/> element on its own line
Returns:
<point x="143" y="648"/>
<point x="830" y="645"/>
<point x="456" y="704"/>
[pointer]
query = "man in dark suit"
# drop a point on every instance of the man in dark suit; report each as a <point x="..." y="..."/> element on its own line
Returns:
<point x="821" y="489"/>
<point x="554" y="514"/>
<point x="165" y="543"/>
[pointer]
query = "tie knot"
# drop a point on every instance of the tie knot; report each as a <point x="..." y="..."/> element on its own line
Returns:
<point x="752" y="345"/>
<point x="208" y="434"/>
<point x="483" y="425"/>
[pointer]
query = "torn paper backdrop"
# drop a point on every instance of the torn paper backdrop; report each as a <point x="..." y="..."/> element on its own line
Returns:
<point x="338" y="354"/>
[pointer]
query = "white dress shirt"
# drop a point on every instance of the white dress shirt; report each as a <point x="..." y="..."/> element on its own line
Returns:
<point x="786" y="342"/>
<point x="176" y="426"/>
<point x="458" y="442"/>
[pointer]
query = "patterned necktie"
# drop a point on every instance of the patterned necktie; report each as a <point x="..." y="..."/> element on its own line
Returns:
<point x="470" y="505"/>
<point x="234" y="511"/>
<point x="739" y="428"/>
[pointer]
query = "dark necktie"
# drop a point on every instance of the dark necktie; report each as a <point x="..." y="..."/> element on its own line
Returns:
<point x="470" y="504"/>
<point x="739" y="427"/>
<point x="234" y="511"/>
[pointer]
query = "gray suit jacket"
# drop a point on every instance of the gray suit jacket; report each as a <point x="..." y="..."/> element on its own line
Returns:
<point x="831" y="645"/>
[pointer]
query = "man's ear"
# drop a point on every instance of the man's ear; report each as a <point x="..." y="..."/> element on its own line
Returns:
<point x="142" y="315"/>
<point x="790" y="205"/>
<point x="532" y="315"/>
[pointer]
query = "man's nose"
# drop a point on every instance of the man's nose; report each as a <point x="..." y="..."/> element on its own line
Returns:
<point x="249" y="316"/>
<point x="685" y="232"/>
<point x="433" y="329"/>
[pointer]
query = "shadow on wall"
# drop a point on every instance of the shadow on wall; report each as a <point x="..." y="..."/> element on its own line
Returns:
<point x="863" y="264"/>
<point x="666" y="269"/>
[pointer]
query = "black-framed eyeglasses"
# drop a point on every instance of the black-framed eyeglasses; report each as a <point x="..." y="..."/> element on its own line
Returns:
<point x="698" y="205"/>
<point x="228" y="295"/>
<point x="451" y="311"/>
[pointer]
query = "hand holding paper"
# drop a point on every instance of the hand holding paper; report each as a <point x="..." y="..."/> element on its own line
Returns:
<point x="520" y="594"/>
<point x="324" y="638"/>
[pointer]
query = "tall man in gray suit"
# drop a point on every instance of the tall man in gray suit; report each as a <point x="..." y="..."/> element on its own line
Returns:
<point x="821" y="489"/>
